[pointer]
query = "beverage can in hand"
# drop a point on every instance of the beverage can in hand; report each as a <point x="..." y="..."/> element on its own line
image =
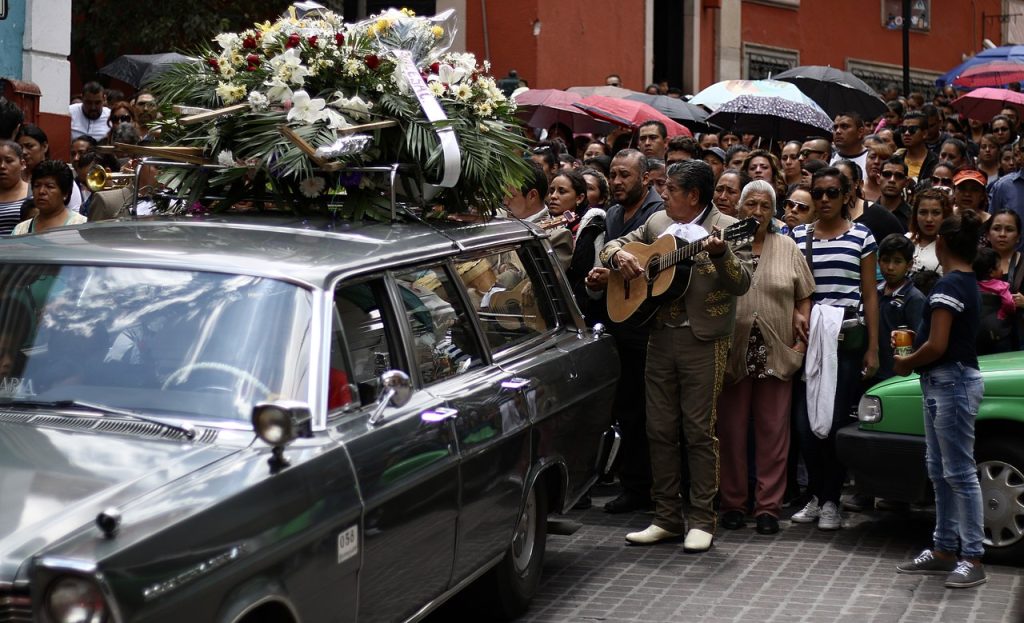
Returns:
<point x="903" y="341"/>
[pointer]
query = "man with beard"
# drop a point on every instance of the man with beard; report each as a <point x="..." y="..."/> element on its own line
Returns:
<point x="635" y="202"/>
<point x="90" y="116"/>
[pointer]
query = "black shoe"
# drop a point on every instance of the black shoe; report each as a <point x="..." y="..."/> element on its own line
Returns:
<point x="626" y="503"/>
<point x="733" y="520"/>
<point x="584" y="503"/>
<point x="766" y="524"/>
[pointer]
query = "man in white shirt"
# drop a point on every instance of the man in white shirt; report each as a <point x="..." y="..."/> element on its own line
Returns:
<point x="90" y="116"/>
<point x="848" y="139"/>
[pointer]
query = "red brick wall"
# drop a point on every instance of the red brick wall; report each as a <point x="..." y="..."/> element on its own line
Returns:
<point x="827" y="33"/>
<point x="580" y="43"/>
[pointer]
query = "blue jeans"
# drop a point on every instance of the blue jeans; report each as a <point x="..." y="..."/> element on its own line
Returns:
<point x="952" y="393"/>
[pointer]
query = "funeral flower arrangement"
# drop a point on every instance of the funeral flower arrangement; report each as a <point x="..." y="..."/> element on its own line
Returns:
<point x="294" y="105"/>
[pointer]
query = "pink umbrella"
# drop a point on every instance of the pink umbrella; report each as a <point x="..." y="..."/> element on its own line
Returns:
<point x="991" y="74"/>
<point x="542" y="108"/>
<point x="984" y="103"/>
<point x="628" y="113"/>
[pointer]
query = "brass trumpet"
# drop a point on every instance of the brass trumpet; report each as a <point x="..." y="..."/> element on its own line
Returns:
<point x="98" y="179"/>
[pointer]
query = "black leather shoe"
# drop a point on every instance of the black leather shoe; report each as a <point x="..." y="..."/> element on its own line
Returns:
<point x="733" y="520"/>
<point x="766" y="524"/>
<point x="626" y="503"/>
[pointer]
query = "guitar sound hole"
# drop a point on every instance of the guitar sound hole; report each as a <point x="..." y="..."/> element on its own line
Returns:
<point x="514" y="308"/>
<point x="652" y="270"/>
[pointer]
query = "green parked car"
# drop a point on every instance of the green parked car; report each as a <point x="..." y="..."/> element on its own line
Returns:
<point x="885" y="450"/>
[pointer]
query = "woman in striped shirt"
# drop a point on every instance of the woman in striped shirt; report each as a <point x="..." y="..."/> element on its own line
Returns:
<point x="843" y="264"/>
<point x="13" y="189"/>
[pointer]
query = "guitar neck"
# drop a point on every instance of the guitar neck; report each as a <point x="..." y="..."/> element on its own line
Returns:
<point x="682" y="253"/>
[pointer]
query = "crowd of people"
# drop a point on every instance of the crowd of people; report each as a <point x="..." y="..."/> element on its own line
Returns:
<point x="731" y="396"/>
<point x="99" y="118"/>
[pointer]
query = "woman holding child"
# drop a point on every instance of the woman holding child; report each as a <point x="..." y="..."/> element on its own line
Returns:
<point x="767" y="350"/>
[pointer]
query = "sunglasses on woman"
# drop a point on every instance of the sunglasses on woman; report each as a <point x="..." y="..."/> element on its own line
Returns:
<point x="790" y="204"/>
<point x="120" y="118"/>
<point x="942" y="181"/>
<point x="818" y="193"/>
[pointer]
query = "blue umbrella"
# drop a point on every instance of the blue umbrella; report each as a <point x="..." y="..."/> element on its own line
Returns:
<point x="1002" y="53"/>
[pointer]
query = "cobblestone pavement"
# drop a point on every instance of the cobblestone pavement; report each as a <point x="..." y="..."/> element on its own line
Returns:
<point x="800" y="574"/>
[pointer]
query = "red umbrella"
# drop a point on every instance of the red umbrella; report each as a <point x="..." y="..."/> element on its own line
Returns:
<point x="542" y="108"/>
<point x="628" y="113"/>
<point x="984" y="103"/>
<point x="992" y="74"/>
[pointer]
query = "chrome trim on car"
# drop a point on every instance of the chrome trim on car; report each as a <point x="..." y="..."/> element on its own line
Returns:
<point x="316" y="387"/>
<point x="266" y="600"/>
<point x="211" y="564"/>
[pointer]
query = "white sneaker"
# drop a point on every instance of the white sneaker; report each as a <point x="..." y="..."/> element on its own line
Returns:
<point x="809" y="513"/>
<point x="830" y="519"/>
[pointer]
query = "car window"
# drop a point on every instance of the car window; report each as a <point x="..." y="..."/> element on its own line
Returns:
<point x="361" y="324"/>
<point x="444" y="342"/>
<point x="184" y="342"/>
<point x="509" y="297"/>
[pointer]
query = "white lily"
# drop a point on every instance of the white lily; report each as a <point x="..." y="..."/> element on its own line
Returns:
<point x="305" y="108"/>
<point x="450" y="75"/>
<point x="354" y="107"/>
<point x="228" y="41"/>
<point x="288" y="67"/>
<point x="334" y="119"/>
<point x="279" y="91"/>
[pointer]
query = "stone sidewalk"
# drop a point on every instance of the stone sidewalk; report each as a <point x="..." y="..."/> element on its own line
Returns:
<point x="800" y="574"/>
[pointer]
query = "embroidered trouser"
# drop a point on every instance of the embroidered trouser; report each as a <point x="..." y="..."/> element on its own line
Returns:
<point x="684" y="378"/>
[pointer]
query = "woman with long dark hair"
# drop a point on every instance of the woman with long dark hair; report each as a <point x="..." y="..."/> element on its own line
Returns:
<point x="952" y="386"/>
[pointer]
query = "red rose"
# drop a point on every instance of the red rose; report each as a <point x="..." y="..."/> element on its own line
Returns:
<point x="435" y="67"/>
<point x="249" y="42"/>
<point x="254" y="61"/>
<point x="293" y="41"/>
<point x="312" y="41"/>
<point x="339" y="38"/>
<point x="372" y="61"/>
<point x="212" y="62"/>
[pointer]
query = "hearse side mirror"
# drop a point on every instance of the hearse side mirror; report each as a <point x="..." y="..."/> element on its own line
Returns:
<point x="396" y="391"/>
<point x="278" y="424"/>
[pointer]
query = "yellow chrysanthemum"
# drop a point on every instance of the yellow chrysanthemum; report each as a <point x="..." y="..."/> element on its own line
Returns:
<point x="437" y="32"/>
<point x="409" y="12"/>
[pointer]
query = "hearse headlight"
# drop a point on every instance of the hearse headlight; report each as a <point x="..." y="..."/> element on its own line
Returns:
<point x="869" y="409"/>
<point x="75" y="600"/>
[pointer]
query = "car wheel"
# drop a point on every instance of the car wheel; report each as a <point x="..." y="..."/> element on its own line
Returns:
<point x="1001" y="475"/>
<point x="515" y="579"/>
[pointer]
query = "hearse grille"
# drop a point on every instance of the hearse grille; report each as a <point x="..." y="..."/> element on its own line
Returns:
<point x="14" y="607"/>
<point x="108" y="424"/>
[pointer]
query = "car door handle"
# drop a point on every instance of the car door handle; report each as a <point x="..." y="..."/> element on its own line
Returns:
<point x="515" y="384"/>
<point x="440" y="414"/>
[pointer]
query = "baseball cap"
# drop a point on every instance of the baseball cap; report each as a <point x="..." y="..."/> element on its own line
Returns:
<point x="970" y="175"/>
<point x="716" y="152"/>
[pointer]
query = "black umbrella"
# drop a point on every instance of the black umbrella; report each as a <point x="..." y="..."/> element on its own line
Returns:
<point x="693" y="117"/>
<point x="835" y="90"/>
<point x="138" y="69"/>
<point x="772" y="117"/>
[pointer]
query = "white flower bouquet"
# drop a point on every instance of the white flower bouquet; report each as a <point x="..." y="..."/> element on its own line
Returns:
<point x="325" y="80"/>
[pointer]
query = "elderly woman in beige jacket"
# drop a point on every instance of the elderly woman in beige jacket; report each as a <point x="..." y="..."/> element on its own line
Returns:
<point x="767" y="350"/>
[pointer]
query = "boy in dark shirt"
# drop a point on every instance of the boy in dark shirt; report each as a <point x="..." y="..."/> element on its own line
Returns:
<point x="900" y="303"/>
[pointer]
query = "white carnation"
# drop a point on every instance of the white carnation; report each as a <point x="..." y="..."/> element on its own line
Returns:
<point x="259" y="101"/>
<point x="225" y="158"/>
<point x="312" y="186"/>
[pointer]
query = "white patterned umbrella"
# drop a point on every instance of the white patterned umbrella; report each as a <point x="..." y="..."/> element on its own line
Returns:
<point x="774" y="118"/>
<point x="725" y="91"/>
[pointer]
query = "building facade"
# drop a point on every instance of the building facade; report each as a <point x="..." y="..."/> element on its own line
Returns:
<point x="694" y="43"/>
<point x="35" y="41"/>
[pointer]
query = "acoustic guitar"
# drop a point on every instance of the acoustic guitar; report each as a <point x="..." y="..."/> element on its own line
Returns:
<point x="516" y="309"/>
<point x="666" y="275"/>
